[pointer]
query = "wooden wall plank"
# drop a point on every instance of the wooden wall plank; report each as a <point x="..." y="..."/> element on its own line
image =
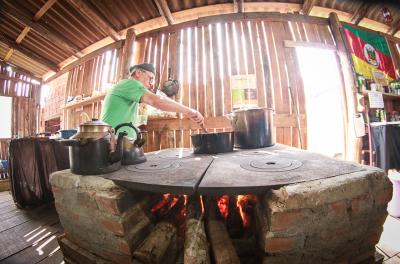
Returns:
<point x="184" y="95"/>
<point x="201" y="88"/>
<point x="209" y="109"/>
<point x="227" y="60"/>
<point x="194" y="69"/>
<point x="258" y="63"/>
<point x="217" y="81"/>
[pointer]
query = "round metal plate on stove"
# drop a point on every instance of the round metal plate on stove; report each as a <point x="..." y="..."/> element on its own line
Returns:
<point x="152" y="166"/>
<point x="271" y="164"/>
<point x="256" y="153"/>
<point x="179" y="153"/>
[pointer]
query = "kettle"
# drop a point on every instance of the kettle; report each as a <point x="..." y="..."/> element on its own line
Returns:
<point x="132" y="151"/>
<point x="93" y="150"/>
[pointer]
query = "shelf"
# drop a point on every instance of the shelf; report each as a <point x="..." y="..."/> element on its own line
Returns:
<point x="386" y="95"/>
<point x="84" y="101"/>
<point x="374" y="124"/>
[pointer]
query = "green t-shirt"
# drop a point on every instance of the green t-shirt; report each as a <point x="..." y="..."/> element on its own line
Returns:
<point x="121" y="104"/>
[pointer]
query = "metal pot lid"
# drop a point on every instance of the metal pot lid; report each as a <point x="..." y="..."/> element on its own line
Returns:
<point x="252" y="109"/>
<point x="94" y="126"/>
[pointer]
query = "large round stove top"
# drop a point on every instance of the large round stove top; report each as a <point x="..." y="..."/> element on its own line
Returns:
<point x="239" y="172"/>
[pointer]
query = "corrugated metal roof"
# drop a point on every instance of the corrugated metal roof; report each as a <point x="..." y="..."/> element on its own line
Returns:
<point x="70" y="24"/>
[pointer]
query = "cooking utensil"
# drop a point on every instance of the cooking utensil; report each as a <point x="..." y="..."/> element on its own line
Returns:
<point x="203" y="128"/>
<point x="212" y="143"/>
<point x="253" y="127"/>
<point x="132" y="151"/>
<point x="91" y="150"/>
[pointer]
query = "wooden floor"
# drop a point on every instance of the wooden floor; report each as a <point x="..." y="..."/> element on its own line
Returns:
<point x="29" y="237"/>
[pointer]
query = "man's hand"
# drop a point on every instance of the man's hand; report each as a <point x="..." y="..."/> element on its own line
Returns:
<point x="195" y="116"/>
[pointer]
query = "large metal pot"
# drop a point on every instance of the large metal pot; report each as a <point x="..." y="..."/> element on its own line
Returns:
<point x="211" y="143"/>
<point x="93" y="151"/>
<point x="253" y="127"/>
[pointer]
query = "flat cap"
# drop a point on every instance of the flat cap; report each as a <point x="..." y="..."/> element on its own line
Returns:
<point x="144" y="66"/>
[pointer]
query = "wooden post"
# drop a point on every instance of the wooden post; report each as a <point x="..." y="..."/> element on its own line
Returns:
<point x="127" y="54"/>
<point x="348" y="80"/>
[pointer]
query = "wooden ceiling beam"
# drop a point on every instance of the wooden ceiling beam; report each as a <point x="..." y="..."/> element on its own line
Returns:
<point x="394" y="28"/>
<point x="58" y="40"/>
<point x="43" y="9"/>
<point x="238" y="6"/>
<point x="307" y="6"/>
<point x="26" y="29"/>
<point x="86" y="10"/>
<point x="360" y="12"/>
<point x="29" y="53"/>
<point x="164" y="10"/>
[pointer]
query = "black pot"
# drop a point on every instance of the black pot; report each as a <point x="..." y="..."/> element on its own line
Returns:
<point x="93" y="157"/>
<point x="212" y="143"/>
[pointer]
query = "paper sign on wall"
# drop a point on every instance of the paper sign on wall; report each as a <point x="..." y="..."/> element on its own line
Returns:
<point x="375" y="100"/>
<point x="244" y="91"/>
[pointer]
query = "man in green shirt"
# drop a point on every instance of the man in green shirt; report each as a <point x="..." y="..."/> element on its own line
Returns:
<point x="122" y="101"/>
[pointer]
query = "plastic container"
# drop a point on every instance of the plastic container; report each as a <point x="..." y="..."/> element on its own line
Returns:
<point x="4" y="164"/>
<point x="68" y="133"/>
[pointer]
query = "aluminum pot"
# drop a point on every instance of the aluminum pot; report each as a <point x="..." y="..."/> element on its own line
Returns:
<point x="211" y="143"/>
<point x="253" y="127"/>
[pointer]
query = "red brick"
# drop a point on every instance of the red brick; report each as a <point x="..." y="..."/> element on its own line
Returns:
<point x="114" y="202"/>
<point x="360" y="203"/>
<point x="108" y="202"/>
<point x="116" y="258"/>
<point x="383" y="197"/>
<point x="86" y="199"/>
<point x="339" y="208"/>
<point x="284" y="220"/>
<point x="283" y="244"/>
<point x="124" y="247"/>
<point x="113" y="226"/>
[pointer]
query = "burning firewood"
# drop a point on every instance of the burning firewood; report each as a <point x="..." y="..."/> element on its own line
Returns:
<point x="234" y="220"/>
<point x="221" y="244"/>
<point x="196" y="245"/>
<point x="160" y="246"/>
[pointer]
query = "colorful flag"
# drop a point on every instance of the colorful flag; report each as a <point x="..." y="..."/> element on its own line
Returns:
<point x="369" y="52"/>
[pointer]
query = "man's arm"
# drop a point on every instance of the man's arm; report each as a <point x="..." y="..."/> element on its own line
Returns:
<point x="166" y="104"/>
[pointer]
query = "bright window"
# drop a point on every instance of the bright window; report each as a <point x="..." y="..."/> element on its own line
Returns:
<point x="325" y="132"/>
<point x="5" y="110"/>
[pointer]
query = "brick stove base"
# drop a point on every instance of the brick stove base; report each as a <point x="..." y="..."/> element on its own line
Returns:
<point x="334" y="220"/>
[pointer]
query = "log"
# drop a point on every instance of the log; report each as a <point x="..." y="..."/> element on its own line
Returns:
<point x="161" y="245"/>
<point x="196" y="246"/>
<point x="156" y="244"/>
<point x="221" y="244"/>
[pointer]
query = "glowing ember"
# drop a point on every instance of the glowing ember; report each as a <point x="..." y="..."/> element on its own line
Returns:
<point x="202" y="204"/>
<point x="161" y="203"/>
<point x="243" y="202"/>
<point x="223" y="205"/>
